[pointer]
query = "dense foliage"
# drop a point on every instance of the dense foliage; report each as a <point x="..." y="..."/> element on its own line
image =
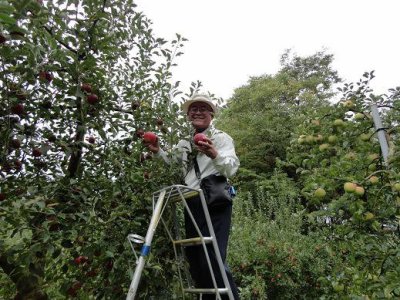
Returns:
<point x="81" y="81"/>
<point x="346" y="192"/>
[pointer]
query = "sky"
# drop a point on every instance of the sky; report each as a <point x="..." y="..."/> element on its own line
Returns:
<point x="230" y="41"/>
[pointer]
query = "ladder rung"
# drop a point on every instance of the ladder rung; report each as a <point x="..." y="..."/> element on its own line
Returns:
<point x="193" y="241"/>
<point x="207" y="291"/>
<point x="186" y="195"/>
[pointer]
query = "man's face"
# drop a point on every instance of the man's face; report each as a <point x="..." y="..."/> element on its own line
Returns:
<point x="200" y="114"/>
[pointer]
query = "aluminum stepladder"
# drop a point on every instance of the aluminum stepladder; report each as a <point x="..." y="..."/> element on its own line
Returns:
<point x="161" y="199"/>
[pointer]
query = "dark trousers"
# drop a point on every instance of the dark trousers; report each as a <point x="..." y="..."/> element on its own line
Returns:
<point x="198" y="266"/>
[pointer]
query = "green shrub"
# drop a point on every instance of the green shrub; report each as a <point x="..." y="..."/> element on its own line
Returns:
<point x="270" y="254"/>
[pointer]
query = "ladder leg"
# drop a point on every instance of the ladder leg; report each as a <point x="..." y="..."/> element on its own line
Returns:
<point x="146" y="247"/>
<point x="216" y="249"/>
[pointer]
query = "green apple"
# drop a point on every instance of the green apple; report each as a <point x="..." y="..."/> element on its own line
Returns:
<point x="368" y="216"/>
<point x="320" y="193"/>
<point x="338" y="123"/>
<point x="332" y="139"/>
<point x="302" y="139"/>
<point x="323" y="147"/>
<point x="364" y="137"/>
<point x="374" y="179"/>
<point x="318" y="138"/>
<point x="359" y="116"/>
<point x="359" y="190"/>
<point x="309" y="139"/>
<point x="349" y="187"/>
<point x="316" y="122"/>
<point x="348" y="104"/>
<point x="373" y="156"/>
<point x="351" y="156"/>
<point x="396" y="186"/>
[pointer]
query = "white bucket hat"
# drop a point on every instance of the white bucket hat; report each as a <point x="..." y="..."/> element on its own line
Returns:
<point x="198" y="98"/>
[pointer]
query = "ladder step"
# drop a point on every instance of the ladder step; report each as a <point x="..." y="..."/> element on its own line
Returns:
<point x="207" y="291"/>
<point x="193" y="241"/>
<point x="177" y="197"/>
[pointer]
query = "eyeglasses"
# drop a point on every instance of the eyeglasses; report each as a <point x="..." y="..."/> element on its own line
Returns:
<point x="200" y="109"/>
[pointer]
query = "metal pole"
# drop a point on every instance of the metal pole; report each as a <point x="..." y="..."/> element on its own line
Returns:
<point x="146" y="247"/>
<point x="381" y="132"/>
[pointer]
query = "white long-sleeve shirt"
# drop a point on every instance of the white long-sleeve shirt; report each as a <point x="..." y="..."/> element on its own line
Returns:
<point x="226" y="163"/>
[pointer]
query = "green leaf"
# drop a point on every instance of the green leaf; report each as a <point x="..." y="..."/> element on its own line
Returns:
<point x="6" y="19"/>
<point x="4" y="8"/>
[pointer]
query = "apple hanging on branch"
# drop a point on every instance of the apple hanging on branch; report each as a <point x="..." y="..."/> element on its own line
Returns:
<point x="18" y="109"/>
<point x="86" y="87"/>
<point x="92" y="99"/>
<point x="45" y="76"/>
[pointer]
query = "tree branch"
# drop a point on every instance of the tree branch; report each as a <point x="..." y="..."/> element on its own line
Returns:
<point x="59" y="41"/>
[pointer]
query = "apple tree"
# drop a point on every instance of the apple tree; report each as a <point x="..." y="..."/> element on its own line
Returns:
<point x="350" y="191"/>
<point x="81" y="81"/>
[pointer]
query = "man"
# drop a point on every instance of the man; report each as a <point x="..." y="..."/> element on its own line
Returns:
<point x="214" y="155"/>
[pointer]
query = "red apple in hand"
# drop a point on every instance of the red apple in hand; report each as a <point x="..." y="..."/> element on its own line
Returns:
<point x="199" y="137"/>
<point x="150" y="137"/>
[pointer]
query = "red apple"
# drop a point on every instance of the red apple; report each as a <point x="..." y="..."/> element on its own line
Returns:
<point x="17" y="165"/>
<point x="91" y="273"/>
<point x="18" y="109"/>
<point x="199" y="137"/>
<point x="2" y="39"/>
<point x="92" y="99"/>
<point x="150" y="137"/>
<point x="45" y="76"/>
<point x="135" y="105"/>
<point x="81" y="260"/>
<point x="2" y="196"/>
<point x="109" y="264"/>
<point x="15" y="143"/>
<point x="36" y="152"/>
<point x="74" y="287"/>
<point x="86" y="87"/>
<point x="160" y="121"/>
<point x="91" y="139"/>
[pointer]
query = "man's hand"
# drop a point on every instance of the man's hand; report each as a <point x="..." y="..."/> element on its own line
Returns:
<point x="155" y="147"/>
<point x="207" y="147"/>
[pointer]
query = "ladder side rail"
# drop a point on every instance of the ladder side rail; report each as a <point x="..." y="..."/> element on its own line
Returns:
<point x="215" y="246"/>
<point x="146" y="247"/>
<point x="203" y="243"/>
<point x="181" y="255"/>
<point x="177" y="256"/>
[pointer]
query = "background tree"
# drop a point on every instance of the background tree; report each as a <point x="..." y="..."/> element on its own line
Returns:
<point x="261" y="115"/>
